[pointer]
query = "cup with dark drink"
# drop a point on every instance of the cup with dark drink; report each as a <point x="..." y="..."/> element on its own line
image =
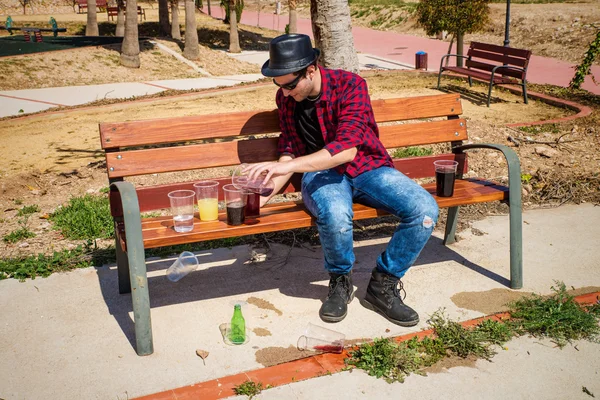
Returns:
<point x="445" y="175"/>
<point x="253" y="189"/>
<point x="235" y="201"/>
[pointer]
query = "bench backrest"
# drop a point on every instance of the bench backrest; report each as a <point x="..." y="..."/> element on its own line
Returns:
<point x="189" y="143"/>
<point x="480" y="55"/>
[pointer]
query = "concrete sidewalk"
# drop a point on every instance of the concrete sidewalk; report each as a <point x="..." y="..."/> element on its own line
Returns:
<point x="70" y="336"/>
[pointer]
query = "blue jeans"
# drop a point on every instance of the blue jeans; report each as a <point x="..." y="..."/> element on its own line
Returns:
<point x="329" y="197"/>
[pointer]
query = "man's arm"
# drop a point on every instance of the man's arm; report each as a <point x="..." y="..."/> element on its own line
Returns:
<point x="318" y="161"/>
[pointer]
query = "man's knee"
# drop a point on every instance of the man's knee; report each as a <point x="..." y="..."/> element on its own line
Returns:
<point x="336" y="217"/>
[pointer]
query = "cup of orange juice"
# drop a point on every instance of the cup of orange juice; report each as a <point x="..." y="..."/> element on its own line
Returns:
<point x="207" y="193"/>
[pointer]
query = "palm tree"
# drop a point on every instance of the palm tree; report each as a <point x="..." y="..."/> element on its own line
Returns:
<point x="91" y="27"/>
<point x="293" y="26"/>
<point x="175" y="33"/>
<point x="163" y="17"/>
<point x="191" y="50"/>
<point x="234" y="39"/>
<point x="332" y="30"/>
<point x="120" y="31"/>
<point x="130" y="49"/>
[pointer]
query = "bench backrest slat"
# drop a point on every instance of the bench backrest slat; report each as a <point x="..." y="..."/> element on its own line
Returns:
<point x="499" y="58"/>
<point x="493" y="48"/>
<point x="171" y="130"/>
<point x="210" y="155"/>
<point x="499" y="72"/>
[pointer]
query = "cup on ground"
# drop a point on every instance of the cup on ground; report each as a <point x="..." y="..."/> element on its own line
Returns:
<point x="445" y="175"/>
<point x="185" y="263"/>
<point x="317" y="338"/>
<point x="235" y="201"/>
<point x="207" y="194"/>
<point x="182" y="209"/>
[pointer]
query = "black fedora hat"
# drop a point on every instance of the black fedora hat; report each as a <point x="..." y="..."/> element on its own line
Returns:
<point x="289" y="53"/>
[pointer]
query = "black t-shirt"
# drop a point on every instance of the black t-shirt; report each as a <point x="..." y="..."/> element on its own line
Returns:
<point x="307" y="125"/>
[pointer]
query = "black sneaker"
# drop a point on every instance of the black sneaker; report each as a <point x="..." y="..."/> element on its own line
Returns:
<point x="383" y="296"/>
<point x="341" y="293"/>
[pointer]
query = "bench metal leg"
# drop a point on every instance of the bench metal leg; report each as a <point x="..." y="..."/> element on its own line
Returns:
<point x="439" y="77"/>
<point x="524" y="92"/>
<point x="451" y="222"/>
<point x="137" y="268"/>
<point x="470" y="81"/>
<point x="490" y="93"/>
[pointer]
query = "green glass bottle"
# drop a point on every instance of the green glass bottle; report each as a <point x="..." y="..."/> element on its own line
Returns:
<point x="237" y="333"/>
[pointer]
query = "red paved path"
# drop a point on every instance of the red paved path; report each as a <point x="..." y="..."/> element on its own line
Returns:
<point x="402" y="48"/>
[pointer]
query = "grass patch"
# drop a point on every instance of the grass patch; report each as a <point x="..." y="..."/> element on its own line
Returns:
<point x="27" y="210"/>
<point x="249" y="389"/>
<point x="558" y="317"/>
<point x="18" y="235"/>
<point x="406" y="152"/>
<point x="536" y="129"/>
<point x="86" y="218"/>
<point x="42" y="265"/>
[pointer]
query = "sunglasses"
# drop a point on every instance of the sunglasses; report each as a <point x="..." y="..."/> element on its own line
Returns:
<point x="290" y="85"/>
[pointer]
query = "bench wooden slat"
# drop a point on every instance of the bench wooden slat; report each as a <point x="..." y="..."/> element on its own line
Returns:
<point x="479" y="75"/>
<point x="494" y="48"/>
<point x="168" y="130"/>
<point x="158" y="232"/>
<point x="210" y="155"/>
<point x="489" y="67"/>
<point x="500" y="58"/>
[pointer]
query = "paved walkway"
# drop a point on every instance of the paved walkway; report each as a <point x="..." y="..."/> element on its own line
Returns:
<point x="377" y="50"/>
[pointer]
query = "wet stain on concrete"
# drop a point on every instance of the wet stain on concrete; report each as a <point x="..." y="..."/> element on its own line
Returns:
<point x="276" y="355"/>
<point x="261" y="332"/>
<point x="450" y="362"/>
<point x="264" y="304"/>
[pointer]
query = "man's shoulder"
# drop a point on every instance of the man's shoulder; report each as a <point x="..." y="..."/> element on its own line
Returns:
<point x="341" y="78"/>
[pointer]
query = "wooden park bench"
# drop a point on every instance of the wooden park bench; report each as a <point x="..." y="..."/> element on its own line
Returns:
<point x="159" y="146"/>
<point x="82" y="5"/>
<point x="112" y="12"/>
<point x="497" y="65"/>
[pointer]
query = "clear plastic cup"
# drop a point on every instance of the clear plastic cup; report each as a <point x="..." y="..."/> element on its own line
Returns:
<point x="235" y="201"/>
<point x="240" y="180"/>
<point x="185" y="263"/>
<point x="445" y="175"/>
<point x="182" y="209"/>
<point x="317" y="338"/>
<point x="207" y="194"/>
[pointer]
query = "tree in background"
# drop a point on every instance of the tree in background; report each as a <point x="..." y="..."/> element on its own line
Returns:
<point x="332" y="30"/>
<point x="163" y="17"/>
<point x="191" y="51"/>
<point x="293" y="24"/>
<point x="120" y="31"/>
<point x="234" y="38"/>
<point x="91" y="26"/>
<point x="175" y="32"/>
<point x="229" y="5"/>
<point x="455" y="16"/>
<point x="130" y="49"/>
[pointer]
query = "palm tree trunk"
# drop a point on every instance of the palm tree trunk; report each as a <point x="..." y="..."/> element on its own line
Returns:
<point x="163" y="17"/>
<point x="208" y="3"/>
<point x="91" y="27"/>
<point x="332" y="31"/>
<point x="130" y="49"/>
<point x="191" y="50"/>
<point x="293" y="24"/>
<point x="120" y="31"/>
<point x="175" y="33"/>
<point x="234" y="39"/>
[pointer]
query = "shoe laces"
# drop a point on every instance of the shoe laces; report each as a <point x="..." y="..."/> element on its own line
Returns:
<point x="339" y="284"/>
<point x="397" y="287"/>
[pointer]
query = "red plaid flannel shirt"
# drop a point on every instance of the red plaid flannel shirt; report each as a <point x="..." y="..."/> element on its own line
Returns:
<point x="346" y="118"/>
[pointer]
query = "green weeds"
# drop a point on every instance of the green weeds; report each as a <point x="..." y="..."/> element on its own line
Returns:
<point x="23" y="232"/>
<point x="86" y="218"/>
<point x="249" y="389"/>
<point x="412" y="152"/>
<point x="42" y="265"/>
<point x="27" y="210"/>
<point x="558" y="317"/>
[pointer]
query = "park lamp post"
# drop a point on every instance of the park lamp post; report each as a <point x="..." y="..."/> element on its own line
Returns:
<point x="507" y="26"/>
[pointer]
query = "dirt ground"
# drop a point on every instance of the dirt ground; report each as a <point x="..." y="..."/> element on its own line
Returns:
<point x="50" y="157"/>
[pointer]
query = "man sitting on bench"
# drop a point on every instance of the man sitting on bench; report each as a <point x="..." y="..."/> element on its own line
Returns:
<point x="329" y="134"/>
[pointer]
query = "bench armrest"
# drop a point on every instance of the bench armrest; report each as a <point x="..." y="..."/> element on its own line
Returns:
<point x="450" y="55"/>
<point x="514" y="165"/>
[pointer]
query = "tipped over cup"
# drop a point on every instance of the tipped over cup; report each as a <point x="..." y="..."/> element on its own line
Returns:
<point x="319" y="339"/>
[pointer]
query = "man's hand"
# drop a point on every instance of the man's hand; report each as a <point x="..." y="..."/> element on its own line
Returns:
<point x="270" y="170"/>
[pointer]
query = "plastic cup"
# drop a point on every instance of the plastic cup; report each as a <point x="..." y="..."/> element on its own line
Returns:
<point x="235" y="201"/>
<point x="240" y="180"/>
<point x="185" y="263"/>
<point x="207" y="194"/>
<point x="317" y="338"/>
<point x="182" y="209"/>
<point x="445" y="175"/>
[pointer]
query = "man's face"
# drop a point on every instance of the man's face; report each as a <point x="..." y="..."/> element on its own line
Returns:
<point x="303" y="84"/>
